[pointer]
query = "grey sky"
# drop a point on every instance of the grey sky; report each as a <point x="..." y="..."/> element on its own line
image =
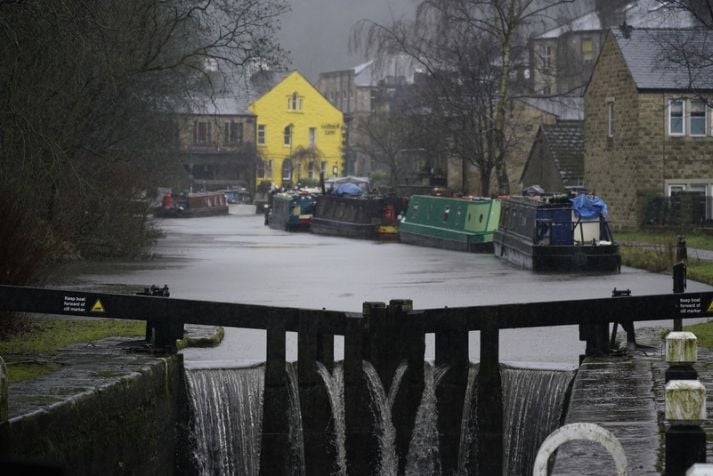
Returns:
<point x="317" y="32"/>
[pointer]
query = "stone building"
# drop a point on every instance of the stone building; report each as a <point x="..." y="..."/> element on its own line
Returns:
<point x="562" y="58"/>
<point x="648" y="125"/>
<point x="556" y="160"/>
<point x="358" y="92"/>
<point x="216" y="142"/>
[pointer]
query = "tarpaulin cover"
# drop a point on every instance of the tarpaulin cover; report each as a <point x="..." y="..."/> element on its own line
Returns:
<point x="586" y="206"/>
<point x="348" y="189"/>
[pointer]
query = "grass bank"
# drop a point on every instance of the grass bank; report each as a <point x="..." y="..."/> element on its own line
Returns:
<point x="29" y="354"/>
<point x="657" y="252"/>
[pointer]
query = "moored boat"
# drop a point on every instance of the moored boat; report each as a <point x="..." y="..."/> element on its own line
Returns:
<point x="556" y="233"/>
<point x="462" y="224"/>
<point x="187" y="205"/>
<point x="291" y="211"/>
<point x="370" y="217"/>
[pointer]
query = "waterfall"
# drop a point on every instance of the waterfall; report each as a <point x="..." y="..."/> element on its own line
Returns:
<point x="297" y="449"/>
<point x="381" y="408"/>
<point x="335" y="389"/>
<point x="226" y="409"/>
<point x="468" y="430"/>
<point x="533" y="408"/>
<point x="423" y="456"/>
<point x="226" y="405"/>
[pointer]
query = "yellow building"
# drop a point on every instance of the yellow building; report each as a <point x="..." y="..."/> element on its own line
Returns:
<point x="299" y="133"/>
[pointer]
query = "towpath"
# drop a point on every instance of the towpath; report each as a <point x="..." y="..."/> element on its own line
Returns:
<point x="625" y="395"/>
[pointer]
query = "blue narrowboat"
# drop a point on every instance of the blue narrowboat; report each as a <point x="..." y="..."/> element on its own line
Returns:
<point x="556" y="233"/>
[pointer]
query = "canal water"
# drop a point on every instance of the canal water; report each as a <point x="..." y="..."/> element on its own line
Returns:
<point x="235" y="258"/>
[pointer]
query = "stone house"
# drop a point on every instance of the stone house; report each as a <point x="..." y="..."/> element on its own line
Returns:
<point x="358" y="92"/>
<point x="648" y="122"/>
<point x="216" y="143"/>
<point x="556" y="159"/>
<point x="562" y="58"/>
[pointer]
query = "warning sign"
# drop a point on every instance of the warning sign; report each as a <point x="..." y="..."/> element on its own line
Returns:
<point x="98" y="307"/>
<point x="691" y="306"/>
<point x="75" y="304"/>
<point x="710" y="306"/>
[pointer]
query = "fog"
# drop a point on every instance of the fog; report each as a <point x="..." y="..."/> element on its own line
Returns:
<point x="317" y="32"/>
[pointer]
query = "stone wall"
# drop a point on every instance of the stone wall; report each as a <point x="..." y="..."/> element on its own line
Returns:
<point x="126" y="426"/>
<point x="611" y="167"/>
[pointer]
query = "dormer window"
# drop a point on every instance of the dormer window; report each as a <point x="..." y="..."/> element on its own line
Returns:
<point x="294" y="102"/>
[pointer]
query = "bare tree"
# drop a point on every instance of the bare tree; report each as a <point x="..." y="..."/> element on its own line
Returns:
<point x="384" y="136"/>
<point x="87" y="91"/>
<point x="468" y="48"/>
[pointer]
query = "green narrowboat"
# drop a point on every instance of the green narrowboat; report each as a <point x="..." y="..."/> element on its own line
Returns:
<point x="462" y="224"/>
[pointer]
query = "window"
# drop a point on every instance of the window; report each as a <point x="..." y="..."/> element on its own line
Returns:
<point x="268" y="168"/>
<point x="261" y="134"/>
<point x="233" y="133"/>
<point x="286" y="170"/>
<point x="294" y="102"/>
<point x="201" y="133"/>
<point x="260" y="169"/>
<point x="610" y="119"/>
<point x="310" y="170"/>
<point x="287" y="135"/>
<point x="587" y="50"/>
<point x="675" y="117"/>
<point x="312" y="136"/>
<point x="324" y="168"/>
<point x="546" y="55"/>
<point x="697" y="119"/>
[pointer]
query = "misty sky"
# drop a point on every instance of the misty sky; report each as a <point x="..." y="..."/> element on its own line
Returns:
<point x="317" y="32"/>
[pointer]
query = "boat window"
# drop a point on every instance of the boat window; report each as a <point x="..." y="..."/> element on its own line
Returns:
<point x="446" y="212"/>
<point x="468" y="217"/>
<point x="480" y="219"/>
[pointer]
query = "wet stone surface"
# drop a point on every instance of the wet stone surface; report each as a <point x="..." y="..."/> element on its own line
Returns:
<point x="625" y="395"/>
<point x="86" y="368"/>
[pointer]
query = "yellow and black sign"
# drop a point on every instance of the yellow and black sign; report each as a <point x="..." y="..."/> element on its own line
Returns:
<point x="98" y="307"/>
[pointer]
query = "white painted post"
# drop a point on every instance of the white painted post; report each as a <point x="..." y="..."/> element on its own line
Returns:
<point x="685" y="411"/>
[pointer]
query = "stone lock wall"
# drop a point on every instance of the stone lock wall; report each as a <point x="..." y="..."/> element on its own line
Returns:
<point x="126" y="427"/>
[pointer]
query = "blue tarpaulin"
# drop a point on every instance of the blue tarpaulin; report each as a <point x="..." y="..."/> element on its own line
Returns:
<point x="348" y="189"/>
<point x="589" y="206"/>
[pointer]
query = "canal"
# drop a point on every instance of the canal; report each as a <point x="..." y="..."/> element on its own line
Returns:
<point x="235" y="258"/>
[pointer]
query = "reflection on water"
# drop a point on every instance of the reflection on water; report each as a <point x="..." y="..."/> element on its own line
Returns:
<point x="235" y="258"/>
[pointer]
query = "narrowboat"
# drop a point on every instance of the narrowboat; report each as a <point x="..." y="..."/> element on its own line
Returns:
<point x="188" y="205"/>
<point x="369" y="217"/>
<point x="291" y="211"/>
<point x="461" y="224"/>
<point x="556" y="233"/>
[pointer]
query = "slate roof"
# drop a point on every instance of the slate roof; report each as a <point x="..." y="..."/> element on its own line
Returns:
<point x="563" y="107"/>
<point x="653" y="66"/>
<point x="565" y="142"/>
<point x="640" y="14"/>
